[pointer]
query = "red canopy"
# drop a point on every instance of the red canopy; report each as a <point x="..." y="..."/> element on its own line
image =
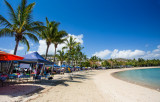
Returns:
<point x="9" y="57"/>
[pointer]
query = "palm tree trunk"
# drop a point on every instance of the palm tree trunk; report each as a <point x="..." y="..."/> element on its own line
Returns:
<point x="15" y="51"/>
<point x="16" y="47"/>
<point x="54" y="56"/>
<point x="69" y="58"/>
<point x="61" y="63"/>
<point x="72" y="61"/>
<point x="55" y="53"/>
<point x="47" y="51"/>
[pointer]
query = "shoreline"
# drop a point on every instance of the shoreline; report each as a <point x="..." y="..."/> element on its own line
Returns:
<point x="133" y="82"/>
<point x="89" y="86"/>
<point x="117" y="90"/>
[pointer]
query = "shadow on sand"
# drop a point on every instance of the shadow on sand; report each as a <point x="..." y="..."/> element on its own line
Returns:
<point x="19" y="90"/>
<point x="15" y="89"/>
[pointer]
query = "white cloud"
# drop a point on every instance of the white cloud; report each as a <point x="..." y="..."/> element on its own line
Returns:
<point x="42" y="45"/>
<point x="11" y="51"/>
<point x="102" y="54"/>
<point x="153" y="54"/>
<point x="7" y="50"/>
<point x="31" y="44"/>
<point x="30" y="52"/>
<point x="4" y="49"/>
<point x="127" y="54"/>
<point x="20" y="48"/>
<point x="79" y="38"/>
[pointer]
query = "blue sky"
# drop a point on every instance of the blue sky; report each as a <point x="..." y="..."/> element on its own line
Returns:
<point x="130" y="26"/>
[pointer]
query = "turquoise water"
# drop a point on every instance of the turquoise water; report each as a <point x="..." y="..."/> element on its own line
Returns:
<point x="147" y="77"/>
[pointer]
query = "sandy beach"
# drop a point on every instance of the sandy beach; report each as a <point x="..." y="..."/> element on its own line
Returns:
<point x="86" y="86"/>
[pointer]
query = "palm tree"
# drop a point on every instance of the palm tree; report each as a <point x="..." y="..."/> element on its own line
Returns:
<point x="94" y="60"/>
<point x="49" y="33"/>
<point x="70" y="44"/>
<point x="21" y="24"/>
<point x="59" y="39"/>
<point x="77" y="52"/>
<point x="81" y="57"/>
<point x="61" y="56"/>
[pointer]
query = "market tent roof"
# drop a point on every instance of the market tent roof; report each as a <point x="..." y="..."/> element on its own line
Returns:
<point x="66" y="66"/>
<point x="78" y="67"/>
<point x="9" y="57"/>
<point x="63" y="65"/>
<point x="56" y="65"/>
<point x="22" y="65"/>
<point x="35" y="57"/>
<point x="52" y="65"/>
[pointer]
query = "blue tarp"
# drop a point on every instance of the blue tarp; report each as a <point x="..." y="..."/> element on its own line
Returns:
<point x="78" y="67"/>
<point x="63" y="65"/>
<point x="35" y="57"/>
<point x="22" y="65"/>
<point x="52" y="66"/>
<point x="66" y="66"/>
<point x="56" y="65"/>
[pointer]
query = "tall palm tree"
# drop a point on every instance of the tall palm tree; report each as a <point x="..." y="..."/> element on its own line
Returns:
<point x="77" y="52"/>
<point x="59" y="39"/>
<point x="82" y="58"/>
<point x="70" y="44"/>
<point x="21" y="24"/>
<point x="67" y="56"/>
<point x="61" y="56"/>
<point x="49" y="33"/>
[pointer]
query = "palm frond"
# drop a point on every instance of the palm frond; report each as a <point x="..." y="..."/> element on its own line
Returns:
<point x="11" y="12"/>
<point x="36" y="23"/>
<point x="34" y="29"/>
<point x="18" y="14"/>
<point x="4" y="22"/>
<point x="32" y="36"/>
<point x="47" y="22"/>
<point x="29" y="9"/>
<point x="6" y="32"/>
<point x="23" y="5"/>
<point x="64" y="48"/>
<point x="25" y="41"/>
<point x="26" y="17"/>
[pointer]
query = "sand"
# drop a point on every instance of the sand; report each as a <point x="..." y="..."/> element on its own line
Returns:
<point x="121" y="91"/>
<point x="88" y="86"/>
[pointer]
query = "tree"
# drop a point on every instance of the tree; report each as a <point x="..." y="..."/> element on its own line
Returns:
<point x="94" y="60"/>
<point x="70" y="44"/>
<point x="21" y="24"/>
<point x="61" y="56"/>
<point x="59" y="39"/>
<point x="106" y="63"/>
<point x="86" y="64"/>
<point x="82" y="58"/>
<point x="49" y="33"/>
<point x="78" y="55"/>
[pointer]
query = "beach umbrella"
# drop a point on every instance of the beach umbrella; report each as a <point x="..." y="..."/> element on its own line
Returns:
<point x="63" y="65"/>
<point x="9" y="57"/>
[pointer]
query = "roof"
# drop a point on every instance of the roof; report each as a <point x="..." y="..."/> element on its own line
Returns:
<point x="9" y="57"/>
<point x="35" y="57"/>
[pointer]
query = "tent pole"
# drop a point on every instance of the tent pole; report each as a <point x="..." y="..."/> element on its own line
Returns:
<point x="42" y="69"/>
<point x="52" y="69"/>
<point x="30" y="69"/>
<point x="36" y="69"/>
<point x="0" y="66"/>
